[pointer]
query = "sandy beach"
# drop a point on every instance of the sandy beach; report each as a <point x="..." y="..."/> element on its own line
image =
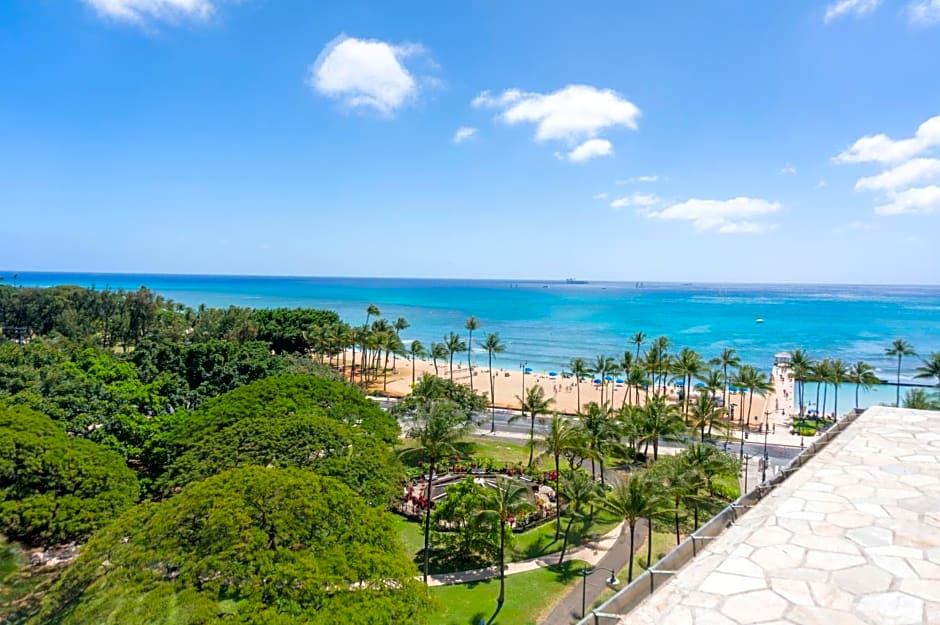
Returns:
<point x="509" y="384"/>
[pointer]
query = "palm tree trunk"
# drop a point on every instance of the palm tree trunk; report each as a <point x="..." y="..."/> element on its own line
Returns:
<point x="469" y="362"/>
<point x="352" y="368"/>
<point x="502" y="563"/>
<point x="427" y="527"/>
<point x="676" y="519"/>
<point x="577" y="383"/>
<point x="695" y="516"/>
<point x="564" y="544"/>
<point x="630" y="557"/>
<point x="492" y="397"/>
<point x="412" y="370"/>
<point x="452" y="366"/>
<point x="600" y="456"/>
<point x="897" y="401"/>
<point x="856" y="395"/>
<point x="557" y="497"/>
<point x="531" y="439"/>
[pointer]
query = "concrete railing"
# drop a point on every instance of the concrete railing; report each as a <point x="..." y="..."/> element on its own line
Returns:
<point x="646" y="584"/>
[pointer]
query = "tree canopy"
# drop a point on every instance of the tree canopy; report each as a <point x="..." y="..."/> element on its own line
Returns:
<point x="55" y="488"/>
<point x="252" y="546"/>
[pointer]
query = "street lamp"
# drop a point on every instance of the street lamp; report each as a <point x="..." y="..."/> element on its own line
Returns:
<point x="766" y="457"/>
<point x="523" y="365"/>
<point x="611" y="581"/>
<point x="747" y="460"/>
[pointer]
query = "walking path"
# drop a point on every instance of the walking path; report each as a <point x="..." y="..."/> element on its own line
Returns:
<point x="592" y="553"/>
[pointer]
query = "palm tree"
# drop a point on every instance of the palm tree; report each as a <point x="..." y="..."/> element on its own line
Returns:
<point x="502" y="504"/>
<point x="560" y="438"/>
<point x="416" y="350"/>
<point x="838" y="373"/>
<point x="750" y="378"/>
<point x="535" y="403"/>
<point x="438" y="352"/>
<point x="454" y="345"/>
<point x="900" y="348"/>
<point x="626" y="364"/>
<point x="661" y="421"/>
<point x="672" y="473"/>
<point x="600" y="431"/>
<point x="862" y="375"/>
<point x="705" y="414"/>
<point x="635" y="379"/>
<point x="579" y="369"/>
<point x="919" y="399"/>
<point x="602" y="368"/>
<point x="371" y="311"/>
<point x="580" y="491"/>
<point x="930" y="368"/>
<point x="703" y="464"/>
<point x="637" y="340"/>
<point x="800" y="367"/>
<point x="471" y="324"/>
<point x="689" y="365"/>
<point x="400" y="324"/>
<point x="492" y="346"/>
<point x="437" y="428"/>
<point x="728" y="358"/>
<point x="631" y="500"/>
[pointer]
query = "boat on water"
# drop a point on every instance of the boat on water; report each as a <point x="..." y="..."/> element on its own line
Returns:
<point x="759" y="320"/>
<point x="573" y="281"/>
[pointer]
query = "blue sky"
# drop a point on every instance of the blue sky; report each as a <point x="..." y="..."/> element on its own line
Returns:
<point x="688" y="141"/>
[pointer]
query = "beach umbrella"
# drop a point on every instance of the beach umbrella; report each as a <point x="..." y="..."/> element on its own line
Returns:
<point x="597" y="380"/>
<point x="699" y="385"/>
<point x="680" y="382"/>
<point x="608" y="377"/>
<point x="733" y="389"/>
<point x="552" y="373"/>
<point x="527" y="370"/>
<point x="619" y="380"/>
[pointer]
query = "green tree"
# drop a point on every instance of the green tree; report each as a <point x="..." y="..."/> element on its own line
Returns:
<point x="416" y="350"/>
<point x="688" y="364"/>
<point x="468" y="536"/>
<point x="454" y="346"/>
<point x="470" y="325"/>
<point x="600" y="434"/>
<point x="728" y="359"/>
<point x="661" y="421"/>
<point x="838" y="373"/>
<point x="706" y="415"/>
<point x="602" y="367"/>
<point x="493" y="346"/>
<point x="502" y="504"/>
<point x="579" y="370"/>
<point x="580" y="492"/>
<point x="437" y="427"/>
<point x="438" y="352"/>
<point x="750" y="378"/>
<point x="250" y="545"/>
<point x="920" y="399"/>
<point x="56" y="488"/>
<point x="899" y="348"/>
<point x="560" y="438"/>
<point x="633" y="499"/>
<point x="862" y="375"/>
<point x="534" y="404"/>
<point x="672" y="474"/>
<point x="930" y="368"/>
<point x="429" y="389"/>
<point x="637" y="340"/>
<point x="800" y="368"/>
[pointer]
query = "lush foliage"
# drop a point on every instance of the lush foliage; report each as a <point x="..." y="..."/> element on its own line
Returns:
<point x="55" y="488"/>
<point x="254" y="546"/>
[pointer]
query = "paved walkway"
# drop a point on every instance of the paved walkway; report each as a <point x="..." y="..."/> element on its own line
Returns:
<point x="592" y="553"/>
<point x="852" y="538"/>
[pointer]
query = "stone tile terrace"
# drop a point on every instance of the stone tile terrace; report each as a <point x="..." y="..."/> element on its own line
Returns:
<point x="851" y="538"/>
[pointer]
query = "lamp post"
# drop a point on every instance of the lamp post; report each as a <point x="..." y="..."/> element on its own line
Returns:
<point x="747" y="460"/>
<point x="611" y="581"/>
<point x="763" y="477"/>
<point x="523" y="365"/>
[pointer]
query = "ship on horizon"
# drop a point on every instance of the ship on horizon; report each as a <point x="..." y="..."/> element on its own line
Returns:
<point x="573" y="281"/>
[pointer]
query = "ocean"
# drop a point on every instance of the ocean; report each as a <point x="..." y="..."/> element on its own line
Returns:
<point x="546" y="323"/>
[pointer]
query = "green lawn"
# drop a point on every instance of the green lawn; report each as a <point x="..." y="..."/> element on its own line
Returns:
<point x="541" y="540"/>
<point x="663" y="542"/>
<point x="530" y="597"/>
<point x="498" y="451"/>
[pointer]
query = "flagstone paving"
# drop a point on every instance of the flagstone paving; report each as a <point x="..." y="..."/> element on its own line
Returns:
<point x="851" y="538"/>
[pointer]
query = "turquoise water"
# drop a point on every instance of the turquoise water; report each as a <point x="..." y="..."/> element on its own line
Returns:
<point x="548" y="323"/>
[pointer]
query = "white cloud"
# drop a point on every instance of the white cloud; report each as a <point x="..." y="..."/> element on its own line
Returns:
<point x="924" y="12"/>
<point x="725" y="216"/>
<point x="858" y="8"/>
<point x="821" y="184"/>
<point x="366" y="73"/>
<point x="788" y="170"/>
<point x="463" y="133"/>
<point x="637" y="199"/>
<point x="141" y="10"/>
<point x="883" y="149"/>
<point x="573" y="113"/>
<point x="905" y="174"/>
<point x="599" y="196"/>
<point x="919" y="200"/>
<point x="592" y="148"/>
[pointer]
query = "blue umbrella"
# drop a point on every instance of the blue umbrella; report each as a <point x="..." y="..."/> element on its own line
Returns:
<point x="699" y="385"/>
<point x="528" y="370"/>
<point x="608" y="378"/>
<point x="680" y="382"/>
<point x="552" y="373"/>
<point x="619" y="380"/>
<point x="733" y="389"/>
<point x="597" y="380"/>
